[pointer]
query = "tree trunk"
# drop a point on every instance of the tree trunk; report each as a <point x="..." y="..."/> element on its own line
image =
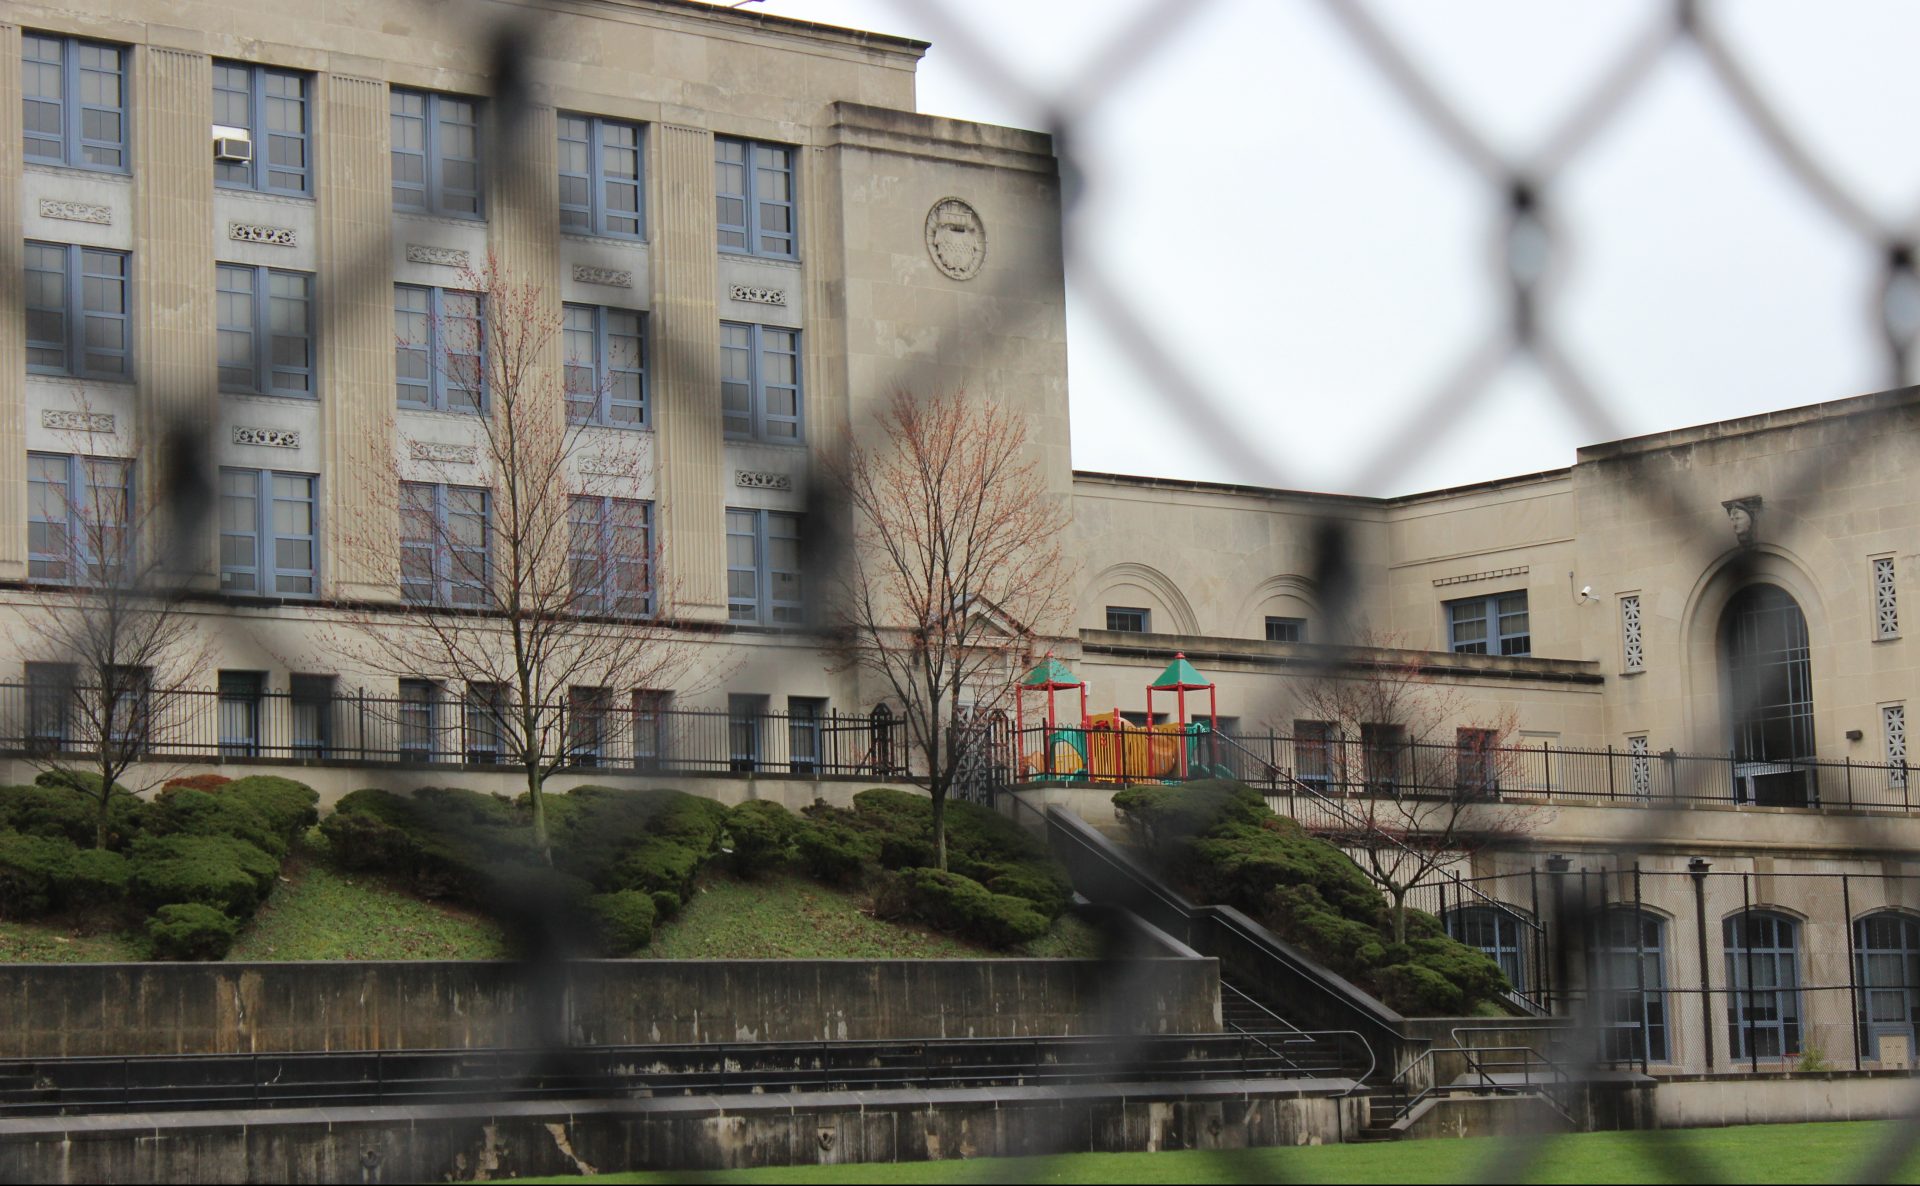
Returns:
<point x="1399" y="911"/>
<point x="103" y="807"/>
<point x="940" y="827"/>
<point x="537" y="801"/>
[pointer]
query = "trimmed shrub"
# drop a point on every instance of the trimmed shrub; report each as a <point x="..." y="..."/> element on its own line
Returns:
<point x="835" y="852"/>
<point x="206" y="813"/>
<point x="656" y="863"/>
<point x="592" y="827"/>
<point x="32" y="870"/>
<point x="625" y="918"/>
<point x="762" y="832"/>
<point x="60" y="810"/>
<point x="666" y="904"/>
<point x="84" y="781"/>
<point x="218" y="871"/>
<point x="1416" y="990"/>
<point x="190" y="931"/>
<point x="288" y="807"/>
<point x="1046" y="888"/>
<point x="99" y="878"/>
<point x="197" y="782"/>
<point x="962" y="906"/>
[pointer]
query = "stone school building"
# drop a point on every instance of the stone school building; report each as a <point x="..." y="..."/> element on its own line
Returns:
<point x="260" y="221"/>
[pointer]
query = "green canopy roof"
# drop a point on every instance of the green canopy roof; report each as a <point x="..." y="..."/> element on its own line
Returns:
<point x="1050" y="674"/>
<point x="1180" y="674"/>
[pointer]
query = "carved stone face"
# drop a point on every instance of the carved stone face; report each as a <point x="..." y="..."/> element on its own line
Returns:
<point x="1742" y="517"/>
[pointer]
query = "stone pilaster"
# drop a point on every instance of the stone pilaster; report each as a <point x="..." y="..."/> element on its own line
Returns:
<point x="13" y="342"/>
<point x="359" y="521"/>
<point x="173" y="338"/>
<point x="686" y="338"/>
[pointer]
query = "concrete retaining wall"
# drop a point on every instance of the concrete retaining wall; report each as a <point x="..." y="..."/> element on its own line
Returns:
<point x="72" y="1009"/>
<point x="1708" y="1101"/>
<point x="426" y="1143"/>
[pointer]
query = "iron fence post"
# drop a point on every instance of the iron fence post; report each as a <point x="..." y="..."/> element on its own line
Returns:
<point x="1853" y="989"/>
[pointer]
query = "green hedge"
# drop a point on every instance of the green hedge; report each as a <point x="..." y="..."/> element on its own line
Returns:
<point x="962" y="906"/>
<point x="762" y="833"/>
<point x="55" y="808"/>
<point x="220" y="871"/>
<point x="835" y="852"/>
<point x="1219" y="840"/>
<point x="625" y="920"/>
<point x="190" y="931"/>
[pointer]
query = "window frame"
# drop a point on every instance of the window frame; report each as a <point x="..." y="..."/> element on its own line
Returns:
<point x="758" y="418"/>
<point x="241" y="696"/>
<point x="437" y="384"/>
<point x="1122" y="611"/>
<point x="1745" y="1031"/>
<point x="604" y="370"/>
<point x="752" y="229"/>
<point x="432" y="188"/>
<point x="442" y="552"/>
<point x="266" y="536"/>
<point x="78" y="553"/>
<point x="1492" y="617"/>
<point x="260" y="169"/>
<point x="75" y="316"/>
<point x="417" y="698"/>
<point x="260" y="331"/>
<point x="1277" y="622"/>
<point x="1642" y="1031"/>
<point x="602" y="599"/>
<point x="596" y="210"/>
<point x="766" y="607"/>
<point x="73" y="141"/>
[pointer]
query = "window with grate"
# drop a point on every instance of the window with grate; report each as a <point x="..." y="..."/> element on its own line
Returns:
<point x="1893" y="723"/>
<point x="1886" y="602"/>
<point x="1640" y="766"/>
<point x="1631" y="653"/>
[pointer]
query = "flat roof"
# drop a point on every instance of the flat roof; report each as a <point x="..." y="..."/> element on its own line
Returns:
<point x="754" y="16"/>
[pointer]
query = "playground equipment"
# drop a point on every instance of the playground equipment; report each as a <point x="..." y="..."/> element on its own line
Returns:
<point x="1109" y="748"/>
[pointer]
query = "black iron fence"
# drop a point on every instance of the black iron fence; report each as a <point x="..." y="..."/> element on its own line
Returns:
<point x="436" y="728"/>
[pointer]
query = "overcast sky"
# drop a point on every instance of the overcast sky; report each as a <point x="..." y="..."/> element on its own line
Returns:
<point x="1319" y="260"/>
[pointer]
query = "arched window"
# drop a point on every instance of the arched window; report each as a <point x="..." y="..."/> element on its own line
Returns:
<point x="1887" y="966"/>
<point x="1769" y="696"/>
<point x="1497" y="932"/>
<point x="1763" y="972"/>
<point x="1630" y="986"/>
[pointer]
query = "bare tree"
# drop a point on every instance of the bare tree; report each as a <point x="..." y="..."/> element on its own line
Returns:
<point x="956" y="568"/>
<point x="531" y="582"/>
<point x="109" y="644"/>
<point x="1417" y="781"/>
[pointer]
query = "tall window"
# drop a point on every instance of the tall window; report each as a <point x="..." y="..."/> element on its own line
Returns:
<point x="1478" y="760"/>
<point x="419" y="719"/>
<point x="1770" y="694"/>
<point x="805" y="719"/>
<point x="271" y="107"/>
<point x="1286" y="629"/>
<point x="587" y="713"/>
<point x="439" y="349"/>
<point x="600" y="176"/>
<point x="763" y="568"/>
<point x="266" y="330"/>
<point x="268" y="541"/>
<point x="50" y="696"/>
<point x="1128" y="619"/>
<point x="760" y="382"/>
<point x="1887" y="966"/>
<point x="1630" y="986"/>
<point x="610" y="551"/>
<point x="76" y="102"/>
<point x="606" y="371"/>
<point x="1498" y="933"/>
<point x="650" y="722"/>
<point x="1313" y="752"/>
<point x="1383" y="756"/>
<point x="753" y="184"/>
<point x="746" y="732"/>
<point x="1763" y="974"/>
<point x="485" y="725"/>
<point x="1495" y="625"/>
<point x="436" y="153"/>
<point x="241" y="694"/>
<point x="78" y="318"/>
<point x="78" y="512"/>
<point x="310" y="699"/>
<point x="445" y="544"/>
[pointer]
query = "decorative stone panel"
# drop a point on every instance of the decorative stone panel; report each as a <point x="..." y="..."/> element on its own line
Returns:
<point x="61" y="421"/>
<point x="1893" y="721"/>
<point x="758" y="296"/>
<point x="1641" y="765"/>
<point x="1632" y="652"/>
<point x="748" y="479"/>
<point x="445" y="454"/>
<point x="1490" y="575"/>
<point x="610" y="277"/>
<point x="446" y="257"/>
<point x="260" y="232"/>
<point x="76" y="211"/>
<point x="1886" y="600"/>
<point x="272" y="438"/>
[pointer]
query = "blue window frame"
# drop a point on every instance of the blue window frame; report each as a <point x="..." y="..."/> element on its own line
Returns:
<point x="271" y="105"/>
<point x="606" y="365"/>
<point x="763" y="568"/>
<point x="310" y="700"/>
<point x="439" y="349"/>
<point x="436" y="153"/>
<point x="1497" y="932"/>
<point x="78" y="318"/>
<point x="269" y="541"/>
<point x="610" y="555"/>
<point x="1887" y="968"/>
<point x="1128" y="619"/>
<point x="760" y="382"/>
<point x="241" y="694"/>
<point x="1763" y="978"/>
<point x="445" y="545"/>
<point x="1286" y="629"/>
<point x="78" y="512"/>
<point x="1493" y="625"/>
<point x="486" y="721"/>
<point x="1630" y="986"/>
<point x="753" y="187"/>
<point x="265" y="319"/>
<point x="75" y="102"/>
<point x="600" y="192"/>
<point x="419" y="719"/>
<point x="588" y="710"/>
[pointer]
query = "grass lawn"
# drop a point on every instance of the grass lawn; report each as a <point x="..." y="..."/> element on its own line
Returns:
<point x="783" y="916"/>
<point x="47" y="943"/>
<point x="1759" y="1153"/>
<point x="323" y="912"/>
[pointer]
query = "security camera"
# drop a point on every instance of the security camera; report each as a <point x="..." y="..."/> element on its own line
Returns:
<point x="1586" y="591"/>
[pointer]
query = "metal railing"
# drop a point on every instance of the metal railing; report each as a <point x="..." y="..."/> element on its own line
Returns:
<point x="448" y="730"/>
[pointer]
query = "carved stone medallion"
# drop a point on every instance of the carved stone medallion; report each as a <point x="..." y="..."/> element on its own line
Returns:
<point x="956" y="238"/>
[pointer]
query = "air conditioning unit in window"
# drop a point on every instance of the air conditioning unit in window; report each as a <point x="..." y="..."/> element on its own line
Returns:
<point x="232" y="146"/>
